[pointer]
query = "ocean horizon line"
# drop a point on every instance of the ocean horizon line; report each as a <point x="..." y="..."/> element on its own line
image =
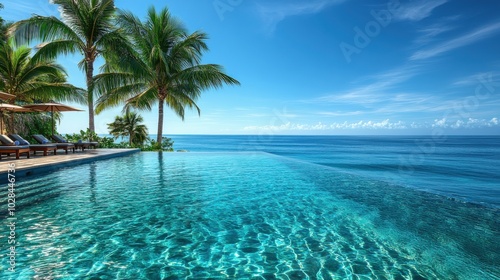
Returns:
<point x="318" y="135"/>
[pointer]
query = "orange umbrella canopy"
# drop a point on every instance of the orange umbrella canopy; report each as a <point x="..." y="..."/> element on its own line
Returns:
<point x="51" y="107"/>
<point x="13" y="108"/>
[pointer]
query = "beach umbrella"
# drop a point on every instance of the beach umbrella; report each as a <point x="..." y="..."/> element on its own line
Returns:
<point x="5" y="96"/>
<point x="52" y="107"/>
<point x="10" y="108"/>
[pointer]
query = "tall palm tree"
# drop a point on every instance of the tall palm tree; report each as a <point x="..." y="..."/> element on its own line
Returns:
<point x="129" y="125"/>
<point x="165" y="67"/>
<point x="85" y="27"/>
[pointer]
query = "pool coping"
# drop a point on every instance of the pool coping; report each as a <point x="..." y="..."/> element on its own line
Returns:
<point x="56" y="162"/>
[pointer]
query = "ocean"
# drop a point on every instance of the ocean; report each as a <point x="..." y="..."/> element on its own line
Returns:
<point x="465" y="168"/>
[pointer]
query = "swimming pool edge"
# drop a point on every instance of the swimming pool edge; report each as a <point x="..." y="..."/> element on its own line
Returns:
<point x="53" y="166"/>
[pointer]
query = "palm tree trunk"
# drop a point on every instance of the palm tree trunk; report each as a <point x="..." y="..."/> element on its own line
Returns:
<point x="90" y="94"/>
<point x="159" y="137"/>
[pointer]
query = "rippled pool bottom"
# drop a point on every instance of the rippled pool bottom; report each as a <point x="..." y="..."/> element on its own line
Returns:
<point x="242" y="216"/>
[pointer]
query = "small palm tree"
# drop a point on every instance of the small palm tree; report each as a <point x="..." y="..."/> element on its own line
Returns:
<point x="165" y="68"/>
<point x="33" y="80"/>
<point x="86" y="27"/>
<point x="129" y="125"/>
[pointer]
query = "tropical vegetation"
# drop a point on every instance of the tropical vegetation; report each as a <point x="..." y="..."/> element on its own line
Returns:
<point x="110" y="142"/>
<point x="155" y="62"/>
<point x="32" y="79"/>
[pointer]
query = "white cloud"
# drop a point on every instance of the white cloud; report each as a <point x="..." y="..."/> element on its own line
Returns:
<point x="440" y="123"/>
<point x="272" y="14"/>
<point x="465" y="123"/>
<point x="385" y="124"/>
<point x="376" y="125"/>
<point x="418" y="10"/>
<point x="461" y="41"/>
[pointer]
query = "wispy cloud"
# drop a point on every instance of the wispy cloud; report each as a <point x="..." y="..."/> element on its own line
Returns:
<point x="417" y="10"/>
<point x="487" y="78"/>
<point x="373" y="92"/>
<point x="430" y="32"/>
<point x="340" y="114"/>
<point x="382" y="95"/>
<point x="467" y="39"/>
<point x="273" y="13"/>
<point x="25" y="9"/>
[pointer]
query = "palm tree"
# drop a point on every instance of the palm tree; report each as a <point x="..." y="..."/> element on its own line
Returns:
<point x="34" y="80"/>
<point x="86" y="27"/>
<point x="31" y="79"/>
<point x="129" y="125"/>
<point x="165" y="67"/>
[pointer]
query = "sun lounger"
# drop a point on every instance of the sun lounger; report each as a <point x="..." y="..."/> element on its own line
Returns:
<point x="9" y="147"/>
<point x="45" y="148"/>
<point x="17" y="150"/>
<point x="60" y="146"/>
<point x="81" y="145"/>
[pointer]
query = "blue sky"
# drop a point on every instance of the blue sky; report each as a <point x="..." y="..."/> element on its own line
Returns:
<point x="330" y="66"/>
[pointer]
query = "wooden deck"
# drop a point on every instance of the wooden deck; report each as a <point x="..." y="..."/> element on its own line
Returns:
<point x="41" y="164"/>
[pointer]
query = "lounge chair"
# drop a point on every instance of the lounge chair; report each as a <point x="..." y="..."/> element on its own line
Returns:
<point x="60" y="146"/>
<point x="80" y="144"/>
<point x="45" y="148"/>
<point x="10" y="147"/>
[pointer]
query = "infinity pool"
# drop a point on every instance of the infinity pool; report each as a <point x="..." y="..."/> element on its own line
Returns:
<point x="240" y="216"/>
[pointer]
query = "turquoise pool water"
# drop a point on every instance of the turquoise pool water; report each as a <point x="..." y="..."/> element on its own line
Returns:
<point x="241" y="216"/>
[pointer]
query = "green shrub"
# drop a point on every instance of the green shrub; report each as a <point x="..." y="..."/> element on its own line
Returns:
<point x="29" y="124"/>
<point x="167" y="145"/>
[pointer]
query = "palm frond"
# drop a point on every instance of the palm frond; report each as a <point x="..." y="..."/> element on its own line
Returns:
<point x="57" y="92"/>
<point x="205" y="76"/>
<point x="51" y="50"/>
<point x="118" y="96"/>
<point x="176" y="105"/>
<point x="145" y="100"/>
<point x="41" y="28"/>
